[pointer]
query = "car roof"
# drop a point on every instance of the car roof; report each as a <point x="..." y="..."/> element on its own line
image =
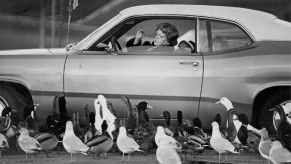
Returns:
<point x="260" y="25"/>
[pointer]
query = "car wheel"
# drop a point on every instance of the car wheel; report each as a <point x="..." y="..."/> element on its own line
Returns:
<point x="7" y="99"/>
<point x="271" y="119"/>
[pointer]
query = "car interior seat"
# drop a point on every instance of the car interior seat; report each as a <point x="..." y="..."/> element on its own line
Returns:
<point x="187" y="45"/>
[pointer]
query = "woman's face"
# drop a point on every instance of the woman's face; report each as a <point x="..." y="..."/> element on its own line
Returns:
<point x="160" y="39"/>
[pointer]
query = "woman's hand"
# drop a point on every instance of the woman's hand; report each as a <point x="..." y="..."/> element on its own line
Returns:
<point x="138" y="36"/>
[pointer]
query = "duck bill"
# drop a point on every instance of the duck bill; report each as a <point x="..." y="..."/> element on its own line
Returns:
<point x="217" y="102"/>
<point x="150" y="107"/>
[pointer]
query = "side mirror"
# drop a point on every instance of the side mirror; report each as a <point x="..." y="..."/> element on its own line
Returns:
<point x="69" y="46"/>
<point x="101" y="45"/>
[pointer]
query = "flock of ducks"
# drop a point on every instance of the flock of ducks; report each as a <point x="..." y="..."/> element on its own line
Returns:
<point x="137" y="133"/>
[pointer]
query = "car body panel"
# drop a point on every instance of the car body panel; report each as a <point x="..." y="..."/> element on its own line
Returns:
<point x="159" y="79"/>
<point x="241" y="75"/>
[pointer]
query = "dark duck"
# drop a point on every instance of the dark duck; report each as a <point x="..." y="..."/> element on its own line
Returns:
<point x="141" y="109"/>
<point x="132" y="116"/>
<point x="169" y="130"/>
<point x="284" y="126"/>
<point x="30" y="122"/>
<point x="92" y="131"/>
<point x="100" y="144"/>
<point x="145" y="132"/>
<point x="236" y="132"/>
<point x="56" y="122"/>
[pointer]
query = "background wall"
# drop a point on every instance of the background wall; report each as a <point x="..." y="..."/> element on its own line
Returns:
<point x="43" y="23"/>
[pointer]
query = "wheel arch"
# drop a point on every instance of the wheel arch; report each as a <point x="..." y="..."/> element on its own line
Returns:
<point x="20" y="92"/>
<point x="261" y="97"/>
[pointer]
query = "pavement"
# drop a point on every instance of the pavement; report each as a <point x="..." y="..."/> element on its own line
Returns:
<point x="62" y="157"/>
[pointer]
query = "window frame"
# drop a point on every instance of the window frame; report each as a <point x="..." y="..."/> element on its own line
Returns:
<point x="241" y="27"/>
<point x="107" y="34"/>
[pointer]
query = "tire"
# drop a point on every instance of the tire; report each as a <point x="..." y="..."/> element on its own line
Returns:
<point x="7" y="99"/>
<point x="266" y="116"/>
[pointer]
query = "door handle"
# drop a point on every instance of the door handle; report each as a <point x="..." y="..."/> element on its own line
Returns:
<point x="194" y="63"/>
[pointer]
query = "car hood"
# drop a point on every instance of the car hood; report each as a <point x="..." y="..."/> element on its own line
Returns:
<point x="33" y="51"/>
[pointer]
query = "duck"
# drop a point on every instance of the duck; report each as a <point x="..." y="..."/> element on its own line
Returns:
<point x="279" y="154"/>
<point x="145" y="131"/>
<point x="4" y="145"/>
<point x="100" y="144"/>
<point x="218" y="143"/>
<point x="92" y="131"/>
<point x="235" y="131"/>
<point x="169" y="130"/>
<point x="284" y="127"/>
<point x="132" y="116"/>
<point x="29" y="116"/>
<point x="72" y="143"/>
<point x="60" y="117"/>
<point x="47" y="141"/>
<point x="201" y="136"/>
<point x="7" y="126"/>
<point x="78" y="130"/>
<point x="98" y="116"/>
<point x="107" y="114"/>
<point x="125" y="143"/>
<point x="28" y="144"/>
<point x="180" y="128"/>
<point x="141" y="109"/>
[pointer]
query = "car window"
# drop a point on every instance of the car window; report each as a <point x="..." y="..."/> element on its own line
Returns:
<point x="217" y="36"/>
<point x="127" y="30"/>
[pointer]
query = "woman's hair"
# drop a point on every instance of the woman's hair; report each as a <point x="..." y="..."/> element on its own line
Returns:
<point x="170" y="31"/>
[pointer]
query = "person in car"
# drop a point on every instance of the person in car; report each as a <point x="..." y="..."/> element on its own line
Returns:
<point x="166" y="35"/>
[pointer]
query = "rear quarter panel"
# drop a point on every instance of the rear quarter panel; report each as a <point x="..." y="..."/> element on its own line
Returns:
<point x="241" y="75"/>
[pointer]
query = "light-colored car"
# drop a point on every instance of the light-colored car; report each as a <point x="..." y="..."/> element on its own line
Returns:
<point x="239" y="53"/>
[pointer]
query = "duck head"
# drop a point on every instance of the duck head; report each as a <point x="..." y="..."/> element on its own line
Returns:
<point x="225" y="102"/>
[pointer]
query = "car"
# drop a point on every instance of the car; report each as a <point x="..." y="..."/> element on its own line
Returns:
<point x="232" y="52"/>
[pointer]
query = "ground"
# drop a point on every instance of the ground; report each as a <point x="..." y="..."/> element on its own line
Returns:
<point x="208" y="156"/>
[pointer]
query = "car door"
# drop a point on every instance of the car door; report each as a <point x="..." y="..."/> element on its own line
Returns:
<point x="228" y="63"/>
<point x="167" y="81"/>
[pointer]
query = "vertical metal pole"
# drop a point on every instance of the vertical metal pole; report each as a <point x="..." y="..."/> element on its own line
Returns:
<point x="42" y="24"/>
<point x="53" y="26"/>
<point x="69" y="20"/>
